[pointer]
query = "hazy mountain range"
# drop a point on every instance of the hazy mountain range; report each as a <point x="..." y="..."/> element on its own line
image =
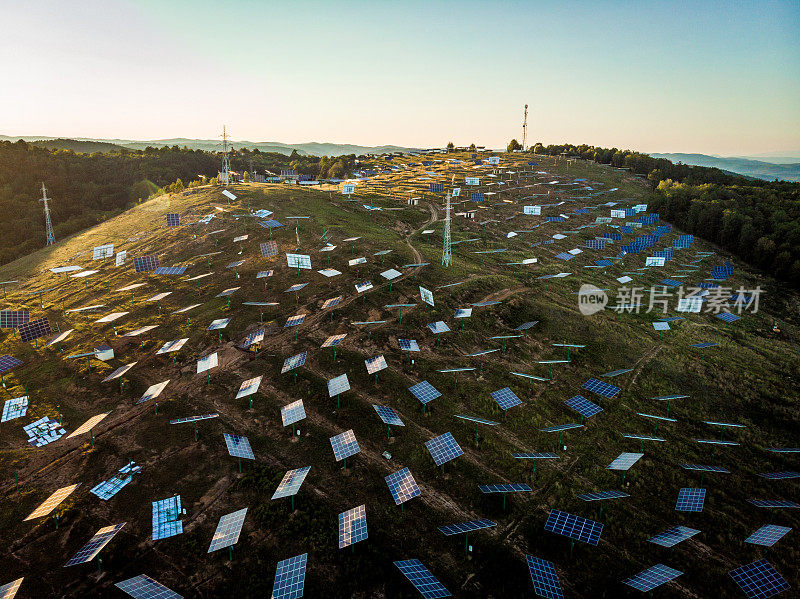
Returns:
<point x="770" y="166"/>
<point x="82" y="144"/>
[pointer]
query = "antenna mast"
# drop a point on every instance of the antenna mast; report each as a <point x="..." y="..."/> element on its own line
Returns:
<point x="51" y="238"/>
<point x="525" y="128"/>
<point x="226" y="166"/>
<point x="447" y="256"/>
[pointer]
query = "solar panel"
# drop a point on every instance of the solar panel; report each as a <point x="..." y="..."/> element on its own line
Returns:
<point x="601" y="388"/>
<point x="408" y="344"/>
<point x="690" y="500"/>
<point x="88" y="425"/>
<point x="219" y="323"/>
<point x="602" y="495"/>
<point x="173" y="220"/>
<point x="331" y="303"/>
<point x="144" y="587"/>
<point x="103" y="251"/>
<point x="362" y="287"/>
<point x="477" y="419"/>
<point x="443" y="448"/>
<point x="291" y="482"/>
<point x="293" y="362"/>
<point x="269" y="249"/>
<point x="186" y="419"/>
<point x="298" y="261"/>
<point x="774" y="503"/>
<point x="463" y="313"/>
<point x="376" y="364"/>
<point x="705" y="468"/>
<point x="583" y="406"/>
<point x="535" y="456"/>
<point x="780" y="475"/>
<point x="105" y="490"/>
<point x="344" y="445"/>
<point x="768" y="535"/>
<point x="110" y="317"/>
<point x="391" y="274"/>
<point x="338" y="385"/>
<point x="402" y="486"/>
<point x="505" y="398"/>
<point x="425" y="582"/>
<point x="560" y="427"/>
<point x="100" y="539"/>
<point x="9" y="590"/>
<point x="334" y="340"/>
<point x="165" y="518"/>
<point x="52" y="502"/>
<point x="438" y="327"/>
<point x="34" y="329"/>
<point x="145" y="263"/>
<point x="170" y="270"/>
<point x="352" y="526"/>
<point x="727" y="317"/>
<point x="505" y="488"/>
<point x="574" y="527"/>
<point x="238" y="446"/>
<point x="43" y="431"/>
<point x="15" y="408"/>
<point x="544" y="578"/>
<point x="653" y="577"/>
<point x="8" y="362"/>
<point x="624" y="461"/>
<point x="294" y="321"/>
<point x="290" y="578"/>
<point x="424" y="392"/>
<point x="673" y="536"/>
<point x="13" y="319"/>
<point x="455" y="529"/>
<point x="228" y="530"/>
<point x="295" y="288"/>
<point x="228" y="292"/>
<point x="759" y="580"/>
<point x="207" y="363"/>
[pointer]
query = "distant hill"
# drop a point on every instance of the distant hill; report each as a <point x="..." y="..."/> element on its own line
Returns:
<point x="759" y="169"/>
<point x="304" y="149"/>
<point x="84" y="146"/>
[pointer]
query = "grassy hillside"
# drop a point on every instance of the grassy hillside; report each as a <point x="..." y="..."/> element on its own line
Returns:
<point x="749" y="378"/>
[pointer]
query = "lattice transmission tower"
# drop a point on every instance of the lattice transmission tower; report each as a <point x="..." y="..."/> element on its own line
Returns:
<point x="525" y="128"/>
<point x="51" y="238"/>
<point x="447" y="255"/>
<point x="225" y="174"/>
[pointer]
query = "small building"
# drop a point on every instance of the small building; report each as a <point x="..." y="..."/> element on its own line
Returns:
<point x="413" y="201"/>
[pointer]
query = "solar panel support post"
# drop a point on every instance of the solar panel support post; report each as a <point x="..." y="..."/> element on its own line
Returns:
<point x="195" y="431"/>
<point x="16" y="480"/>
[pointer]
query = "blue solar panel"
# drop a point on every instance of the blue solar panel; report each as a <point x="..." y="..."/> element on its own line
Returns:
<point x="690" y="500"/>
<point x="428" y="586"/>
<point x="443" y="448"/>
<point x="565" y="256"/>
<point x="759" y="580"/>
<point x="455" y="529"/>
<point x="774" y="503"/>
<point x="768" y="535"/>
<point x="505" y="398"/>
<point x="780" y="475"/>
<point x="145" y="263"/>
<point x="505" y="488"/>
<point x="34" y="329"/>
<point x="583" y="406"/>
<point x="165" y="518"/>
<point x="602" y="495"/>
<point x="294" y="362"/>
<point x="170" y="270"/>
<point x="238" y="446"/>
<point x="653" y="577"/>
<point x="352" y="526"/>
<point x="173" y="220"/>
<point x="727" y="317"/>
<point x="544" y="578"/>
<point x="601" y="388"/>
<point x="8" y="362"/>
<point x="673" y="536"/>
<point x="535" y="456"/>
<point x="574" y="527"/>
<point x="388" y="415"/>
<point x="290" y="578"/>
<point x="402" y="486"/>
<point x="671" y="283"/>
<point x="144" y="587"/>
<point x="560" y="427"/>
<point x="344" y="445"/>
<point x="15" y="408"/>
<point x="270" y="224"/>
<point x="408" y="345"/>
<point x="425" y="392"/>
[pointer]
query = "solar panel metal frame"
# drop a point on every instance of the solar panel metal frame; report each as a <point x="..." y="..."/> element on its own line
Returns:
<point x="344" y="445"/>
<point x="759" y="579"/>
<point x="690" y="499"/>
<point x="239" y="446"/>
<point x="505" y="398"/>
<point x="424" y="392"/>
<point x="422" y="579"/>
<point x="95" y="545"/>
<point x="402" y="486"/>
<point x="768" y="535"/>
<point x="574" y="527"/>
<point x="544" y="578"/>
<point x="228" y="530"/>
<point x="352" y="526"/>
<point x="443" y="448"/>
<point x="291" y="482"/>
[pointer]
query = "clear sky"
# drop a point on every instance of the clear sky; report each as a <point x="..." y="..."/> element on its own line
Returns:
<point x="678" y="76"/>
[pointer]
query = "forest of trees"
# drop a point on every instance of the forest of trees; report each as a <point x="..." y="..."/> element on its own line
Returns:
<point x="88" y="188"/>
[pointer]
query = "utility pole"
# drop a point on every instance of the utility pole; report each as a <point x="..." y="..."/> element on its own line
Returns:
<point x="525" y="128"/>
<point x="226" y="166"/>
<point x="447" y="256"/>
<point x="51" y="238"/>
